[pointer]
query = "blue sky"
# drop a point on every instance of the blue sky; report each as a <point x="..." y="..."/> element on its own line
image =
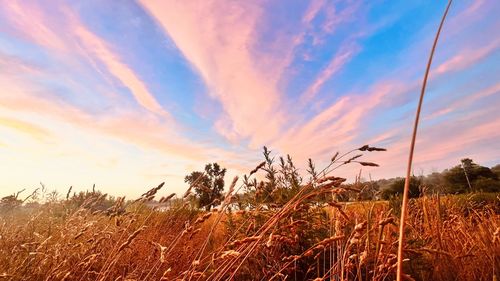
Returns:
<point x="129" y="94"/>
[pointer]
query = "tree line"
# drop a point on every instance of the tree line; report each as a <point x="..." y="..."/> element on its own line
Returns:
<point x="281" y="180"/>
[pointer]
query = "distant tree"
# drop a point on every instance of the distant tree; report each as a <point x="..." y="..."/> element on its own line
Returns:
<point x="397" y="187"/>
<point x="208" y="185"/>
<point x="487" y="184"/>
<point x="101" y="202"/>
<point x="463" y="178"/>
<point x="496" y="170"/>
<point x="368" y="191"/>
<point x="9" y="202"/>
<point x="435" y="182"/>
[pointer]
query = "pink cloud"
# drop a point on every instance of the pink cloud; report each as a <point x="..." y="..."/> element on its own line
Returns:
<point x="144" y="130"/>
<point x="339" y="125"/>
<point x="313" y="9"/>
<point x="245" y="80"/>
<point x="459" y="140"/>
<point x="466" y="58"/>
<point x="69" y="35"/>
<point x="99" y="51"/>
<point x="220" y="49"/>
<point x="473" y="12"/>
<point x="335" y="17"/>
<point x="98" y="149"/>
<point x="15" y="67"/>
<point x="336" y="126"/>
<point x="32" y="24"/>
<point x="473" y="7"/>
<point x="285" y="45"/>
<point x="467" y="100"/>
<point x="443" y="144"/>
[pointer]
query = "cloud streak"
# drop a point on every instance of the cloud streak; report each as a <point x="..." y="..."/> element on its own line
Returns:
<point x="99" y="52"/>
<point x="25" y="128"/>
<point x="302" y="78"/>
<point x="221" y="51"/>
<point x="340" y="59"/>
<point x="31" y="22"/>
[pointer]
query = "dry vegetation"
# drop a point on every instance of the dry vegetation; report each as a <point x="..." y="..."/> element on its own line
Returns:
<point x="277" y="229"/>
<point x="297" y="238"/>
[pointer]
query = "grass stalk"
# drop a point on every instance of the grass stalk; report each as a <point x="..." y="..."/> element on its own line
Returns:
<point x="404" y="204"/>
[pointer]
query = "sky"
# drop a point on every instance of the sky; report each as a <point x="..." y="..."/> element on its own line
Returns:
<point x="128" y="94"/>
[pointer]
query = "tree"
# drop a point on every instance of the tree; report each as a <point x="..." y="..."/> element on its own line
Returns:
<point x="487" y="184"/>
<point x="368" y="191"/>
<point x="435" y="183"/>
<point x="496" y="170"/>
<point x="9" y="202"/>
<point x="208" y="185"/>
<point x="397" y="187"/>
<point x="469" y="176"/>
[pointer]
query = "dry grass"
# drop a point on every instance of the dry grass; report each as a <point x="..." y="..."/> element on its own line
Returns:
<point x="298" y="240"/>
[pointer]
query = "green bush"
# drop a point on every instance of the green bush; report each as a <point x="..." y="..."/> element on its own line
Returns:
<point x="397" y="187"/>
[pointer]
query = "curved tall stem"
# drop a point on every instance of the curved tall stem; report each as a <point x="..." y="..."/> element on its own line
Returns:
<point x="404" y="205"/>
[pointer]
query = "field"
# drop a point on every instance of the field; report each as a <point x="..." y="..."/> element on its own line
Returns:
<point x="138" y="91"/>
<point x="448" y="238"/>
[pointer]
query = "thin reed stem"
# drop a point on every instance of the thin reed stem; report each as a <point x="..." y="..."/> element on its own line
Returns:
<point x="404" y="204"/>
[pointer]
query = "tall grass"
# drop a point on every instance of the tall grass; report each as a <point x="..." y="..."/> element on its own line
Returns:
<point x="263" y="238"/>
<point x="448" y="238"/>
<point x="404" y="205"/>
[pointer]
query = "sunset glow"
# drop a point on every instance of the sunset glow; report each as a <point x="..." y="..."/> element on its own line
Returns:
<point x="129" y="94"/>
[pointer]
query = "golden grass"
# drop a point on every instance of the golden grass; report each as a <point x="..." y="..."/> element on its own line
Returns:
<point x="404" y="205"/>
<point x="300" y="240"/>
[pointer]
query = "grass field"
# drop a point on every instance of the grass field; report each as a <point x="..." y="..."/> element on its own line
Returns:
<point x="127" y="93"/>
<point x="448" y="238"/>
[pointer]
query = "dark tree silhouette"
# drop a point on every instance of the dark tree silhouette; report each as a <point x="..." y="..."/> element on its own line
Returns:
<point x="397" y="187"/>
<point x="208" y="185"/>
<point x="469" y="176"/>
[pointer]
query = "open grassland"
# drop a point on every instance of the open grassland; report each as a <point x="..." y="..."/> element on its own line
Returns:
<point x="448" y="238"/>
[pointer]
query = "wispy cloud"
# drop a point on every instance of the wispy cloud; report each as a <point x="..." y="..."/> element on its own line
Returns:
<point x="69" y="35"/>
<point x="100" y="52"/>
<point x="464" y="102"/>
<point x="305" y="78"/>
<point x="221" y="51"/>
<point x="345" y="53"/>
<point x="24" y="127"/>
<point x="466" y="58"/>
<point x="31" y="23"/>
<point x="336" y="126"/>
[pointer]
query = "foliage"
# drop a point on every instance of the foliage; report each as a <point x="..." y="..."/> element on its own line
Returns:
<point x="470" y="176"/>
<point x="305" y="242"/>
<point x="397" y="187"/>
<point x="102" y="201"/>
<point x="496" y="170"/>
<point x="10" y="202"/>
<point x="312" y="236"/>
<point x="208" y="185"/>
<point x="281" y="182"/>
<point x="463" y="178"/>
